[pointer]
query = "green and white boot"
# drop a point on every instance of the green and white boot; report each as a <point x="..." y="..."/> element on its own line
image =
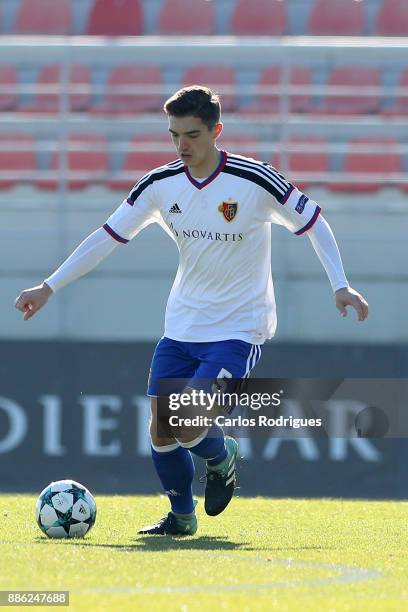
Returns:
<point x="221" y="480"/>
<point x="173" y="524"/>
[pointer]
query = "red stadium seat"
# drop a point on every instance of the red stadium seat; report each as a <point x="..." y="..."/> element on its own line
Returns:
<point x="337" y="17"/>
<point x="392" y="18"/>
<point x="400" y="106"/>
<point x="16" y="161"/>
<point x="116" y="18"/>
<point x="8" y="78"/>
<point x="157" y="150"/>
<point x="138" y="163"/>
<point x="92" y="160"/>
<point x="299" y="162"/>
<point x="383" y="161"/>
<point x="267" y="18"/>
<point x="243" y="144"/>
<point x="49" y="102"/>
<point x="214" y="77"/>
<point x="186" y="17"/>
<point x="130" y="103"/>
<point x="270" y="103"/>
<point x="44" y="17"/>
<point x="356" y="77"/>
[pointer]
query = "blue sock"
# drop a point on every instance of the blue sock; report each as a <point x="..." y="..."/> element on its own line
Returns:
<point x="176" y="472"/>
<point x="212" y="447"/>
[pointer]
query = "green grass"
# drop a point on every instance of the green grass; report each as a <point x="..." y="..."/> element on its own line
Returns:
<point x="261" y="554"/>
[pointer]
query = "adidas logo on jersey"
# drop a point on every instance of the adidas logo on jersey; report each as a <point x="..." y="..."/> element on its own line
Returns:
<point x="175" y="209"/>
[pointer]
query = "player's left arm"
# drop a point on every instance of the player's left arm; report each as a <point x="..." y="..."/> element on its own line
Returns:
<point x="325" y="245"/>
<point x="285" y="205"/>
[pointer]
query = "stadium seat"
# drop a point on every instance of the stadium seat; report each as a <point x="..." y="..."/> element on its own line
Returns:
<point x="356" y="77"/>
<point x="16" y="161"/>
<point x="94" y="163"/>
<point x="392" y="18"/>
<point x="49" y="102"/>
<point x="269" y="18"/>
<point x="215" y="77"/>
<point x="384" y="161"/>
<point x="115" y="18"/>
<point x="186" y="17"/>
<point x="270" y="103"/>
<point x="129" y="103"/>
<point x="8" y="78"/>
<point x="400" y="106"/>
<point x="337" y="17"/>
<point x="242" y="144"/>
<point x="299" y="162"/>
<point x="157" y="150"/>
<point x="43" y="17"/>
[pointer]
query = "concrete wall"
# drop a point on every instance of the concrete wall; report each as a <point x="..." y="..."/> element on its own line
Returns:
<point x="125" y="297"/>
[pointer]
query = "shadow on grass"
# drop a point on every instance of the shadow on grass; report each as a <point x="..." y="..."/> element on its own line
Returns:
<point x="163" y="543"/>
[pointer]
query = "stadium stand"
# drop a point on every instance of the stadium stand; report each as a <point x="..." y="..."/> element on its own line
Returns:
<point x="43" y="18"/>
<point x="384" y="160"/>
<point x="216" y="77"/>
<point x="14" y="162"/>
<point x="237" y="17"/>
<point x="241" y="144"/>
<point x="115" y="88"/>
<point x="144" y="76"/>
<point x="8" y="78"/>
<point x="400" y="105"/>
<point x="392" y="18"/>
<point x="354" y="77"/>
<point x="186" y="17"/>
<point x="336" y="18"/>
<point x="115" y="18"/>
<point x="311" y="159"/>
<point x="87" y="153"/>
<point x="50" y="75"/>
<point x="270" y="103"/>
<point x="270" y="18"/>
<point x="155" y="150"/>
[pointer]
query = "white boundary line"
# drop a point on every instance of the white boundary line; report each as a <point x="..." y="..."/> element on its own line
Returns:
<point x="346" y="575"/>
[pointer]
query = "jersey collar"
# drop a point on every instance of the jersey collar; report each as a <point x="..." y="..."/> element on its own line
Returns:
<point x="212" y="176"/>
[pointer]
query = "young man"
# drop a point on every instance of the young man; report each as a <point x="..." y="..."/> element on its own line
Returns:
<point x="218" y="207"/>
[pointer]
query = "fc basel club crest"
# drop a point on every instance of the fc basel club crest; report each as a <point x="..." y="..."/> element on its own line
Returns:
<point x="229" y="210"/>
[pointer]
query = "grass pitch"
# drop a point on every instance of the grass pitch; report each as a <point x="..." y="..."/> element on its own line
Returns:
<point x="260" y="554"/>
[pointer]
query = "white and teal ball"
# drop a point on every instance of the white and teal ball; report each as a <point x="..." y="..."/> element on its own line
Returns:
<point x="65" y="509"/>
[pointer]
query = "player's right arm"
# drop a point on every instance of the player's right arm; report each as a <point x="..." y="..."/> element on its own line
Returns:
<point x="129" y="219"/>
<point x="85" y="258"/>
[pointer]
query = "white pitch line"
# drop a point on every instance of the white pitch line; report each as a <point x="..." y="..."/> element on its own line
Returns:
<point x="346" y="575"/>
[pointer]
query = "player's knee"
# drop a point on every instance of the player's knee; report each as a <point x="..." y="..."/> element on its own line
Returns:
<point x="160" y="432"/>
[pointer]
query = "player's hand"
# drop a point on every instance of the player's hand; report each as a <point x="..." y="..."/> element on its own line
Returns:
<point x="350" y="297"/>
<point x="31" y="300"/>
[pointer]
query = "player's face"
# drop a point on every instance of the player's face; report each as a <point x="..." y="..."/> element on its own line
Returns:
<point x="194" y="142"/>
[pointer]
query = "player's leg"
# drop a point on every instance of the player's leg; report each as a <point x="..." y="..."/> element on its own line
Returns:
<point x="234" y="359"/>
<point x="173" y="463"/>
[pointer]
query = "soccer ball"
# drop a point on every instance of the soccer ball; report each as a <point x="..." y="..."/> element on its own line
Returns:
<point x="65" y="509"/>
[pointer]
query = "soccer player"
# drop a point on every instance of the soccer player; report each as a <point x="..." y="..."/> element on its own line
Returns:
<point x="218" y="207"/>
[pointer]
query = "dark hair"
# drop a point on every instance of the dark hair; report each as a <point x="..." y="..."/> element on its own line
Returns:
<point x="197" y="101"/>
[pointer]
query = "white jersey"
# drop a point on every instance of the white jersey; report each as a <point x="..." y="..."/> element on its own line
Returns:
<point x="222" y="227"/>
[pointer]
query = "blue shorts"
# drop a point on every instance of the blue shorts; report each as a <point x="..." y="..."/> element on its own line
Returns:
<point x="196" y="362"/>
